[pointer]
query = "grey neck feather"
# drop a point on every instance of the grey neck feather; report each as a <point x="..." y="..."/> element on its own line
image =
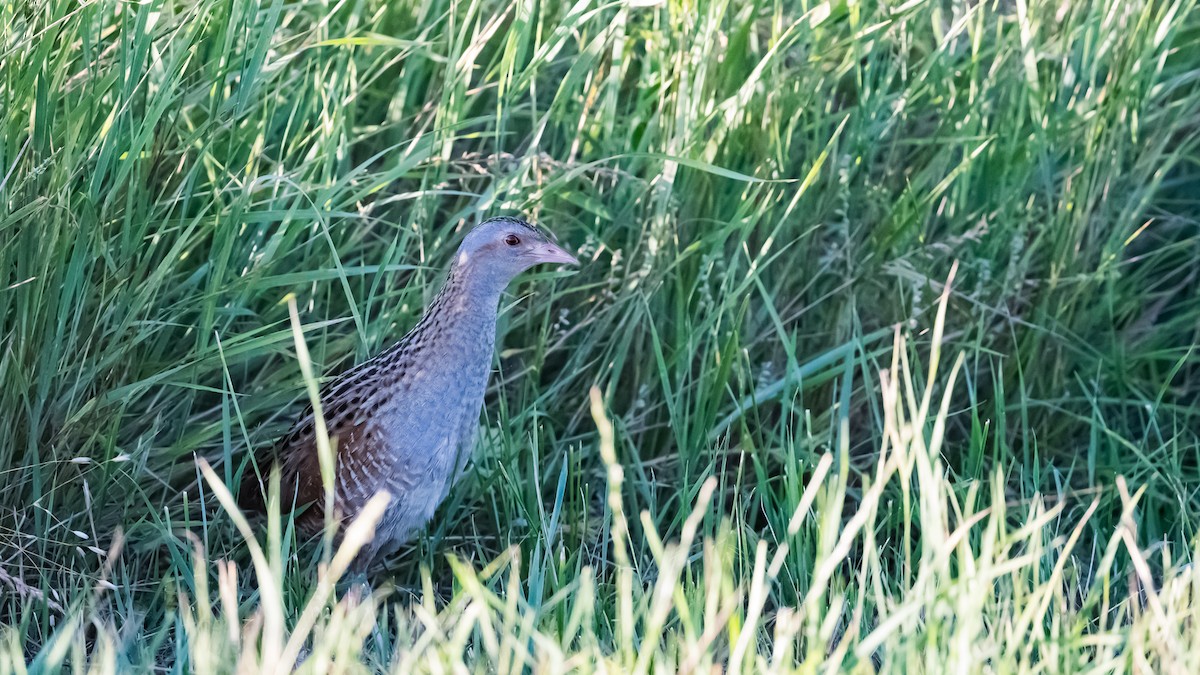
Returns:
<point x="473" y="290"/>
<point x="467" y="305"/>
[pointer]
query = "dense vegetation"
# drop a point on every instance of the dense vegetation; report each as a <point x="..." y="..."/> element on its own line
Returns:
<point x="793" y="456"/>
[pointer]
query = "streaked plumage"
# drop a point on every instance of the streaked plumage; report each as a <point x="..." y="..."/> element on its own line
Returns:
<point x="405" y="421"/>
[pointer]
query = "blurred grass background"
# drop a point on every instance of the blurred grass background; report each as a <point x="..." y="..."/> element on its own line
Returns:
<point x="761" y="193"/>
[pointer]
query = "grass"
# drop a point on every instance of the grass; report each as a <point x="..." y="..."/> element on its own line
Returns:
<point x="883" y="355"/>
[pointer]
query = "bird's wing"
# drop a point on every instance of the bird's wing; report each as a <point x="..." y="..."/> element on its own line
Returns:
<point x="365" y="464"/>
<point x="342" y="402"/>
<point x="356" y="445"/>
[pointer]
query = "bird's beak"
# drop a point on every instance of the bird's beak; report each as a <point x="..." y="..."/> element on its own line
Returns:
<point x="553" y="253"/>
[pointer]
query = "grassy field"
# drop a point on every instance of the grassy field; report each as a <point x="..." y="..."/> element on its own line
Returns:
<point x="883" y="355"/>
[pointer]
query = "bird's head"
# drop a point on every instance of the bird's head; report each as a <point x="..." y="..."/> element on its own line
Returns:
<point x="503" y="247"/>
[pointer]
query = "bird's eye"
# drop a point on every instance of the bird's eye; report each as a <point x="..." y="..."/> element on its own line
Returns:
<point x="512" y="240"/>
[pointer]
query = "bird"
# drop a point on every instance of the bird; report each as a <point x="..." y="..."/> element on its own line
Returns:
<point x="405" y="421"/>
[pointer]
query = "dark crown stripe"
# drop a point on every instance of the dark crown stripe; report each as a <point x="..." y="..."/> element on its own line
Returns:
<point x="514" y="221"/>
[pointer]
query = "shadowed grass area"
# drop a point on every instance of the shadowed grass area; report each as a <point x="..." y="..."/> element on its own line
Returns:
<point x="769" y="199"/>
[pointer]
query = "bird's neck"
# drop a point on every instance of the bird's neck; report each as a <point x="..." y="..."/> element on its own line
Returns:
<point x="469" y="295"/>
<point x="463" y="315"/>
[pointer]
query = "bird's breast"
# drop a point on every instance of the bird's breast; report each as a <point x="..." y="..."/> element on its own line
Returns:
<point x="422" y="416"/>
